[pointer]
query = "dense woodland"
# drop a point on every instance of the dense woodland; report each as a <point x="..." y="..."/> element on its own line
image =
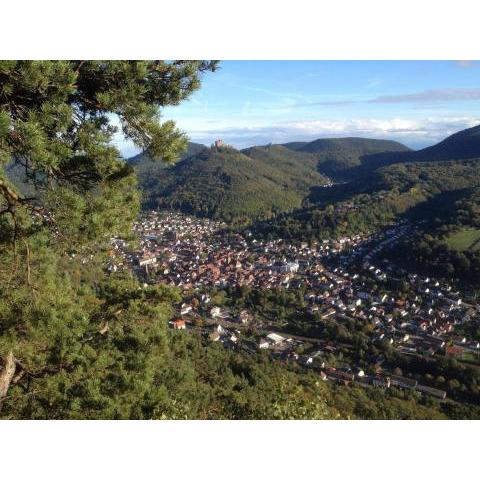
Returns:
<point x="340" y="157"/>
<point x="226" y="184"/>
<point x="254" y="184"/>
<point x="438" y="247"/>
<point x="403" y="190"/>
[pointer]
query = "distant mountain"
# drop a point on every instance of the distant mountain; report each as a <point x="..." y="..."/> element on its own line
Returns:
<point x="231" y="185"/>
<point x="252" y="184"/>
<point x="462" y="145"/>
<point x="419" y="185"/>
<point x="451" y="164"/>
<point x="259" y="183"/>
<point x="459" y="146"/>
<point x="362" y="146"/>
<point x="336" y="156"/>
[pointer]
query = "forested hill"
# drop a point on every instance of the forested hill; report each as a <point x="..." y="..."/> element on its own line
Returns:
<point x="252" y="184"/>
<point x="300" y="169"/>
<point x="337" y="156"/>
<point x="352" y="158"/>
<point x="148" y="172"/>
<point x="413" y="185"/>
<point x="235" y="186"/>
<point x="459" y="146"/>
<point x="259" y="183"/>
<point x="359" y="145"/>
<point x="462" y="145"/>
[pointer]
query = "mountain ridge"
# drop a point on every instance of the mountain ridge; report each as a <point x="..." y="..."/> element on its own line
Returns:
<point x="227" y="184"/>
<point x="250" y="184"/>
<point x="387" y="187"/>
<point x="462" y="145"/>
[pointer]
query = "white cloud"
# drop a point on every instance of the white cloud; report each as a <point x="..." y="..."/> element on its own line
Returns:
<point x="411" y="131"/>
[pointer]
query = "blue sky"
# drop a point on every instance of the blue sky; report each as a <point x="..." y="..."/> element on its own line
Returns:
<point x="257" y="102"/>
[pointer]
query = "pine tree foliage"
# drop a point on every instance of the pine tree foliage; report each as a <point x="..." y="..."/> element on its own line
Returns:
<point x="57" y="120"/>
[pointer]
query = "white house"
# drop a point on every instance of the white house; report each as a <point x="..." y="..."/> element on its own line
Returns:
<point x="275" y="338"/>
<point x="263" y="343"/>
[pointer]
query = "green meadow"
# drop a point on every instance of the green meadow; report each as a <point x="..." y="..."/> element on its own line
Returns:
<point x="464" y="240"/>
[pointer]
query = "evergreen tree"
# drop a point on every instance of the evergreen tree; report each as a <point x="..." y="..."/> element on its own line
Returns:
<point x="57" y="121"/>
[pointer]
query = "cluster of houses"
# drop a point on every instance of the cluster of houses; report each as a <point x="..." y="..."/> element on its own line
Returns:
<point x="193" y="253"/>
<point x="223" y="327"/>
<point x="163" y="237"/>
<point x="199" y="254"/>
<point x="423" y="322"/>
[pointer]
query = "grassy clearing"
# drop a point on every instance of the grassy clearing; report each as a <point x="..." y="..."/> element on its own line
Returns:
<point x="464" y="240"/>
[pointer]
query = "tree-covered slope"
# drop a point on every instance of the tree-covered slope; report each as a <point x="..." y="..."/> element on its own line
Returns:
<point x="256" y="183"/>
<point x="298" y="169"/>
<point x="148" y="171"/>
<point x="362" y="146"/>
<point x="230" y="185"/>
<point x="459" y="146"/>
<point x="411" y="184"/>
<point x="447" y="244"/>
<point x="462" y="145"/>
<point x="336" y="156"/>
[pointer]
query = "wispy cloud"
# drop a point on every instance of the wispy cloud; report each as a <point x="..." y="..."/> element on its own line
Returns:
<point x="200" y="102"/>
<point x="465" y="63"/>
<point x="333" y="103"/>
<point x="425" y="96"/>
<point x="436" y="95"/>
<point x="374" y="83"/>
<point x="413" y="132"/>
<point x="246" y="108"/>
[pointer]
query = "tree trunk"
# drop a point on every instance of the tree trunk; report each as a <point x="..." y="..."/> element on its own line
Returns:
<point x="7" y="374"/>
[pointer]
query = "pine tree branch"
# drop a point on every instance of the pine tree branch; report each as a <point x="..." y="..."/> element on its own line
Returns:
<point x="9" y="194"/>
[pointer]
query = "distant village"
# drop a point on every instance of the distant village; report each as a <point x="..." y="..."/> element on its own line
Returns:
<point x="201" y="255"/>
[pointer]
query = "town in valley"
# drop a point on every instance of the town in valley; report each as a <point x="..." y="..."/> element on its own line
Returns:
<point x="342" y="282"/>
